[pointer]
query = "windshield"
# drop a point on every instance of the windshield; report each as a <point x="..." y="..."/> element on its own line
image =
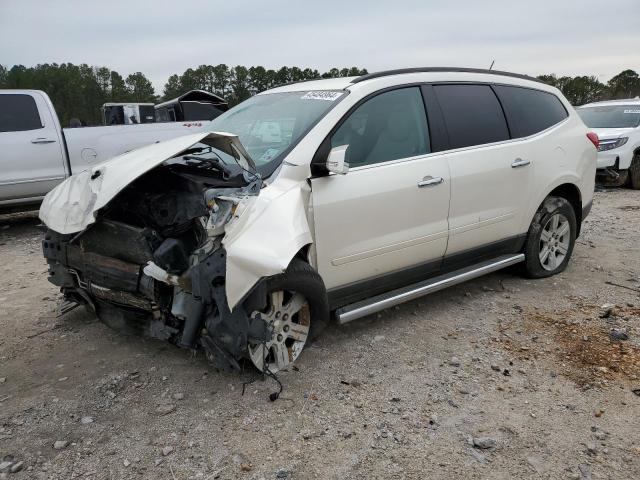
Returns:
<point x="270" y="125"/>
<point x="612" y="116"/>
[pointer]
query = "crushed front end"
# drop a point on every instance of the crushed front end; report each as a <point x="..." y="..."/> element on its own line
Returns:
<point x="152" y="262"/>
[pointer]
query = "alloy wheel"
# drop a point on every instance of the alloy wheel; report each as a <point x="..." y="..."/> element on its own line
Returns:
<point x="289" y="316"/>
<point x="554" y="241"/>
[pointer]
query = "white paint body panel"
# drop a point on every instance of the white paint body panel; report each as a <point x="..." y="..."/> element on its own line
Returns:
<point x="376" y="219"/>
<point x="488" y="195"/>
<point x="270" y="232"/>
<point x="28" y="169"/>
<point x="89" y="146"/>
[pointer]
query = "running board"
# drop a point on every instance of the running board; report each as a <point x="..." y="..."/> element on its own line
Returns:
<point x="411" y="292"/>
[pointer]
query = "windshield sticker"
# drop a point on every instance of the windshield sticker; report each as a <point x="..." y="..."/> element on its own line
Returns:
<point x="632" y="111"/>
<point x="321" y="95"/>
<point x="269" y="155"/>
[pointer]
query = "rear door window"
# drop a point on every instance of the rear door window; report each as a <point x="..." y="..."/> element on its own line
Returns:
<point x="472" y="115"/>
<point x="530" y="111"/>
<point x="18" y="112"/>
<point x="389" y="126"/>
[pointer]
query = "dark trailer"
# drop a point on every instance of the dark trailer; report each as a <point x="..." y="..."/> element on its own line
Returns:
<point x="193" y="105"/>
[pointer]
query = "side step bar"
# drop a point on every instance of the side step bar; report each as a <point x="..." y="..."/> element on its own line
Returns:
<point x="386" y="300"/>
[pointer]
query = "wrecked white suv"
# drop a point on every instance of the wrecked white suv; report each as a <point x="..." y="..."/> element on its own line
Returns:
<point x="333" y="197"/>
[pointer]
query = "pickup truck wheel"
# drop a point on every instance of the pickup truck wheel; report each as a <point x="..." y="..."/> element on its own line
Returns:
<point x="634" y="173"/>
<point x="297" y="311"/>
<point x="550" y="239"/>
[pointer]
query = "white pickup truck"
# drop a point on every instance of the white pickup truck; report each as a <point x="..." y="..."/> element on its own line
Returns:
<point x="36" y="154"/>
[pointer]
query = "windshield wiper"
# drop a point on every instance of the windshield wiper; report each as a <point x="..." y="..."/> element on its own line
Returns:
<point x="215" y="162"/>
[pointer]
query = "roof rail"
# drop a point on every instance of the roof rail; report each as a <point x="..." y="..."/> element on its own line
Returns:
<point x="400" y="71"/>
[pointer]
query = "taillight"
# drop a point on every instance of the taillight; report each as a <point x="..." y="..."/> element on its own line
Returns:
<point x="594" y="139"/>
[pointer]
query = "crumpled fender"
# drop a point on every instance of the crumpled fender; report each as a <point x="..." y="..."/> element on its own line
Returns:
<point x="266" y="237"/>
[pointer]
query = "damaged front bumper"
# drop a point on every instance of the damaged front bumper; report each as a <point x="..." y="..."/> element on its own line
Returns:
<point x="170" y="254"/>
<point x="112" y="269"/>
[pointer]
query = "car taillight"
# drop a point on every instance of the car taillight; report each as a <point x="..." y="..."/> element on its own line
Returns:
<point x="594" y="139"/>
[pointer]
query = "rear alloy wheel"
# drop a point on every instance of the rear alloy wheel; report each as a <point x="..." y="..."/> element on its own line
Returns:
<point x="289" y="316"/>
<point x="554" y="242"/>
<point x="550" y="239"/>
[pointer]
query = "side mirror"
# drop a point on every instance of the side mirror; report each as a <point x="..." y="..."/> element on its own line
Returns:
<point x="336" y="160"/>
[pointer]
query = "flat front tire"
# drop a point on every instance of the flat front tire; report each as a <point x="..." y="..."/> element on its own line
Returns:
<point x="297" y="311"/>
<point x="551" y="238"/>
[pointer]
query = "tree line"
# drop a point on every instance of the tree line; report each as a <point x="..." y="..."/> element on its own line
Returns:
<point x="585" y="89"/>
<point x="78" y="91"/>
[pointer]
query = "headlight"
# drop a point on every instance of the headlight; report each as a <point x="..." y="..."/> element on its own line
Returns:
<point x="611" y="144"/>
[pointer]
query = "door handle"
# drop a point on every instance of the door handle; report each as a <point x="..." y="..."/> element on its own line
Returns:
<point x="430" y="181"/>
<point x="42" y="140"/>
<point x="518" y="162"/>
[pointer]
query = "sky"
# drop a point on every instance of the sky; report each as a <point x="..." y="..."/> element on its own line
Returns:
<point x="160" y="38"/>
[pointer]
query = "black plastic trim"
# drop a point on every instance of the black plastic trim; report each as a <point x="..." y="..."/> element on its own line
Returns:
<point x="437" y="128"/>
<point x="485" y="252"/>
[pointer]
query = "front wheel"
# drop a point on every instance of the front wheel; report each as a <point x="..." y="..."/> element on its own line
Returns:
<point x="550" y="239"/>
<point x="297" y="311"/>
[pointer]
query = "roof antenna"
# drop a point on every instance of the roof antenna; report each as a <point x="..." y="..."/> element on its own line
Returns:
<point x="492" y="62"/>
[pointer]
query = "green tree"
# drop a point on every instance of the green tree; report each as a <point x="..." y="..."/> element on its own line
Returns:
<point x="239" y="84"/>
<point x="141" y="88"/>
<point x="119" y="90"/>
<point x="189" y="80"/>
<point x="550" y="79"/>
<point x="258" y="80"/>
<point x="333" y="73"/>
<point x="624" y="85"/>
<point x="173" y="88"/>
<point x="583" y="89"/>
<point x="221" y="76"/>
<point x="283" y="76"/>
<point x="578" y="90"/>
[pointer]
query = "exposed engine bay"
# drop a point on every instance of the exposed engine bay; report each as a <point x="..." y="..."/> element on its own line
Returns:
<point x="153" y="262"/>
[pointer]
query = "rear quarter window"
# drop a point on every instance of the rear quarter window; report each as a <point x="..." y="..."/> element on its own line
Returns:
<point x="472" y="115"/>
<point x="530" y="111"/>
<point x="18" y="112"/>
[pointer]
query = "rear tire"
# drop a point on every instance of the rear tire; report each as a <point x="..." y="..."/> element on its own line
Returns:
<point x="550" y="239"/>
<point x="634" y="173"/>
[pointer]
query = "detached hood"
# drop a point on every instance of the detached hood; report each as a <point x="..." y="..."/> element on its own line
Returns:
<point x="72" y="205"/>
<point x="608" y="133"/>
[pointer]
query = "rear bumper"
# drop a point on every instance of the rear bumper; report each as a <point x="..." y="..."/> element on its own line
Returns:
<point x="607" y="159"/>
<point x="617" y="159"/>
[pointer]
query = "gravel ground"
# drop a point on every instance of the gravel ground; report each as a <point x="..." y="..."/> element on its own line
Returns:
<point x="497" y="378"/>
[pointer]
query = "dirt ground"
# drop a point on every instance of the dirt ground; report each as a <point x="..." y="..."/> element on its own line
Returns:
<point x="497" y="378"/>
